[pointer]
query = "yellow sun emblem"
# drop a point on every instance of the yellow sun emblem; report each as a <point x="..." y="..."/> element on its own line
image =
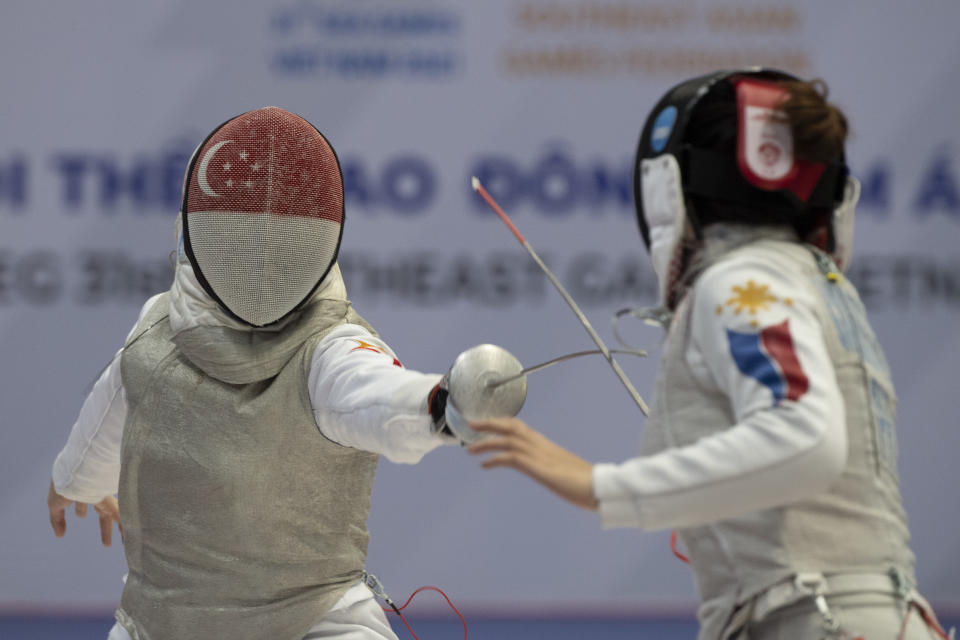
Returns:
<point x="752" y="297"/>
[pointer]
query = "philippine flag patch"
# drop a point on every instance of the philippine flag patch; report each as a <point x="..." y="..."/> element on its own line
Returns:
<point x="769" y="358"/>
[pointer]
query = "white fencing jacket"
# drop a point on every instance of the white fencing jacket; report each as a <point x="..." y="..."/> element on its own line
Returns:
<point x="776" y="451"/>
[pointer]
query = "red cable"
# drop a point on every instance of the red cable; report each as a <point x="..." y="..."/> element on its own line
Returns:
<point x="405" y="623"/>
<point x="673" y="547"/>
<point x="397" y="610"/>
<point x="906" y="619"/>
<point x="932" y="623"/>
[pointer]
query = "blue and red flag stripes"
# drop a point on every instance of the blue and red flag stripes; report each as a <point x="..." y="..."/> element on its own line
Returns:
<point x="769" y="358"/>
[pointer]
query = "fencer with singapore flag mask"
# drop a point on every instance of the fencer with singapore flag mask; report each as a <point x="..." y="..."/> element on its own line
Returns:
<point x="770" y="444"/>
<point x="242" y="421"/>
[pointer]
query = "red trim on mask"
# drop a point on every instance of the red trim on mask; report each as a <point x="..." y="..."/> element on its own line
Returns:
<point x="765" y="142"/>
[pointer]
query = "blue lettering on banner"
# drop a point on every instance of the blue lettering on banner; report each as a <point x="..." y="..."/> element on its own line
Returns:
<point x="116" y="181"/>
<point x="502" y="178"/>
<point x="347" y="22"/>
<point x="407" y="184"/>
<point x="875" y="190"/>
<point x="332" y="38"/>
<point x="149" y="182"/>
<point x="364" y="63"/>
<point x="296" y="60"/>
<point x="606" y="183"/>
<point x="71" y="168"/>
<point x="358" y="190"/>
<point x="938" y="189"/>
<point x="558" y="185"/>
<point x="13" y="183"/>
<point x="554" y="185"/>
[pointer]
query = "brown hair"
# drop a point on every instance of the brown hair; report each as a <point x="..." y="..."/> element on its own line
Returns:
<point x="819" y="127"/>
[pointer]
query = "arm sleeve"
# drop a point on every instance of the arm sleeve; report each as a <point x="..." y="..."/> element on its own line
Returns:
<point x="362" y="397"/>
<point x="756" y="338"/>
<point x="88" y="467"/>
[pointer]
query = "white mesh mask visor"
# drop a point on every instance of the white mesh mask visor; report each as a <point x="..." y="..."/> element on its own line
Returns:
<point x="665" y="215"/>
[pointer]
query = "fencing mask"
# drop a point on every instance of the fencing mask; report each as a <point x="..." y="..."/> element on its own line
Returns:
<point x="761" y="171"/>
<point x="263" y="214"/>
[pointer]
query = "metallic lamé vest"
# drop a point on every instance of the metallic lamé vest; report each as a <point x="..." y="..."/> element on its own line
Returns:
<point x="241" y="520"/>
<point x="858" y="525"/>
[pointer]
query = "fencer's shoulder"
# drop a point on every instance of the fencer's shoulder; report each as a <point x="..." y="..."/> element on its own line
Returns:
<point x="149" y="304"/>
<point x="347" y="330"/>
<point x="349" y="338"/>
<point x="785" y="262"/>
<point x="766" y="255"/>
<point x="349" y="348"/>
<point x="760" y="277"/>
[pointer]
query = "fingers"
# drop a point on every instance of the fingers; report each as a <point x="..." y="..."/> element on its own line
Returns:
<point x="107" y="509"/>
<point x="58" y="521"/>
<point x="55" y="500"/>
<point x="57" y="504"/>
<point x="515" y="445"/>
<point x="506" y="433"/>
<point x="109" y="512"/>
<point x="501" y="426"/>
<point x="510" y="459"/>
<point x="106" y="530"/>
<point x="490" y="444"/>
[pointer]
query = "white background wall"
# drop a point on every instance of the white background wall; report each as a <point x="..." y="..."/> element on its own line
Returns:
<point x="102" y="102"/>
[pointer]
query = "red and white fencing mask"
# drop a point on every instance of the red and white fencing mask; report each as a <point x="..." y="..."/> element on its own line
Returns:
<point x="263" y="214"/>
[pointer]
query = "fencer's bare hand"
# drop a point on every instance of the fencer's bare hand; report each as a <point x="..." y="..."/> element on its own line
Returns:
<point x="107" y="509"/>
<point x="516" y="445"/>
